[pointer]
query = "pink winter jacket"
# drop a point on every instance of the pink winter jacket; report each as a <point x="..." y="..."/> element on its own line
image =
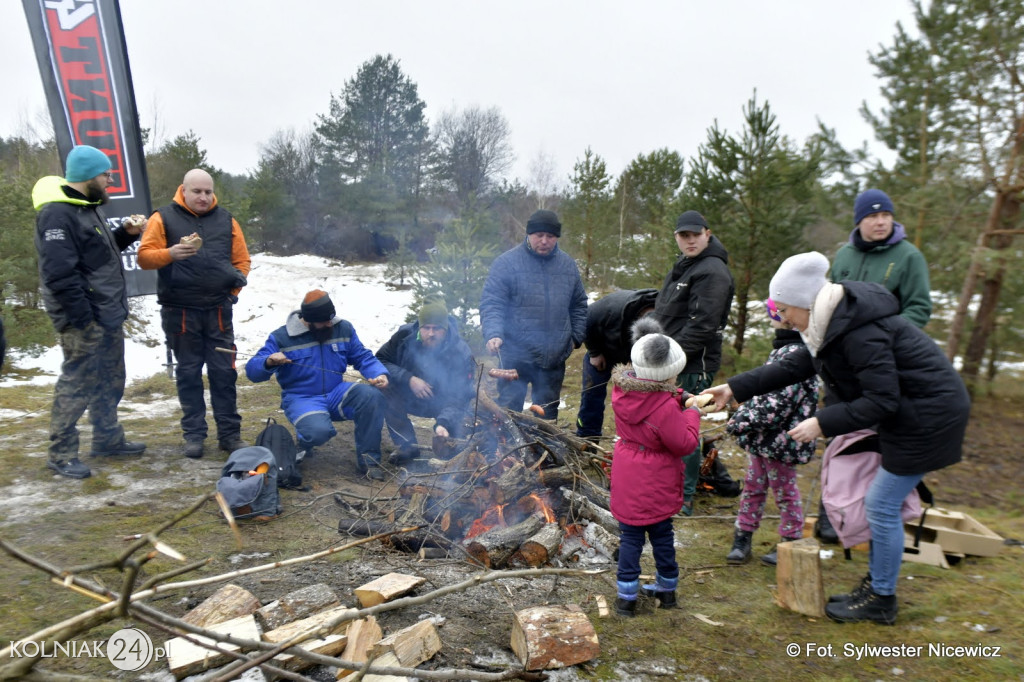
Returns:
<point x="654" y="435"/>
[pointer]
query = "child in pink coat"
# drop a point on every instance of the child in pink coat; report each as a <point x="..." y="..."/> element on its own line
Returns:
<point x="655" y="432"/>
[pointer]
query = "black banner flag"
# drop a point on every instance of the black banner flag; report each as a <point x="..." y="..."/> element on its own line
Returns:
<point x="83" y="60"/>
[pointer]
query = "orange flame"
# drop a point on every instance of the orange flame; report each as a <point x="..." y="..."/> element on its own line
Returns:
<point x="549" y="514"/>
<point x="491" y="517"/>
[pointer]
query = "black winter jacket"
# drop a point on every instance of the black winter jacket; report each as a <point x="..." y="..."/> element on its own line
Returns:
<point x="206" y="279"/>
<point x="80" y="266"/>
<point x="610" y="323"/>
<point x="881" y="372"/>
<point x="449" y="370"/>
<point x="693" y="306"/>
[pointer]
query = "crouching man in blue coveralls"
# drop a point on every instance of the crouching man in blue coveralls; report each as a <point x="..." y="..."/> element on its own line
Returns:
<point x="309" y="355"/>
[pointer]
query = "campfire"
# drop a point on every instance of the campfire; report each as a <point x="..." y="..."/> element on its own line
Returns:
<point x="517" y="492"/>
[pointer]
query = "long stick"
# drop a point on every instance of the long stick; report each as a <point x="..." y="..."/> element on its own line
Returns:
<point x="352" y="377"/>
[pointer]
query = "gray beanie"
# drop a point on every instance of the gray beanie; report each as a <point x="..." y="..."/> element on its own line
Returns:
<point x="654" y="355"/>
<point x="799" y="279"/>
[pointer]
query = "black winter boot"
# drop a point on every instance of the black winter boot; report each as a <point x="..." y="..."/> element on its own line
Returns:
<point x="876" y="608"/>
<point x="771" y="558"/>
<point x="740" y="553"/>
<point x="823" y="529"/>
<point x="856" y="593"/>
<point x="625" y="607"/>
<point x="664" y="590"/>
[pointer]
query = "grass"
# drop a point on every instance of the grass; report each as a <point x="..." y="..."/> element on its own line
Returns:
<point x="749" y="640"/>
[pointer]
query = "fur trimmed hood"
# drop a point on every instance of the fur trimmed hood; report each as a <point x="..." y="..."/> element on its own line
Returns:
<point x="625" y="378"/>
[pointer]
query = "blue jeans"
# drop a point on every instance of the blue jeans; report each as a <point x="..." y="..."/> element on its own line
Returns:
<point x="590" y="418"/>
<point x="546" y="386"/>
<point x="631" y="544"/>
<point x="883" y="505"/>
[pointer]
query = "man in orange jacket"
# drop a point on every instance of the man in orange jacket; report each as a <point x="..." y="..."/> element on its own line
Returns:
<point x="197" y="283"/>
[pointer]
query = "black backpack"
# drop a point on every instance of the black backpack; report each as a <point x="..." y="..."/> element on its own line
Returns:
<point x="278" y="439"/>
<point x="248" y="484"/>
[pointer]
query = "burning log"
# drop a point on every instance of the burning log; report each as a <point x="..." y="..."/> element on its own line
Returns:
<point x="539" y="549"/>
<point x="494" y="547"/>
<point x="582" y="508"/>
<point x="598" y="537"/>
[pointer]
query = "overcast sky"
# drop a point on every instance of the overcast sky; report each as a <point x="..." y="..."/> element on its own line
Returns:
<point x="623" y="78"/>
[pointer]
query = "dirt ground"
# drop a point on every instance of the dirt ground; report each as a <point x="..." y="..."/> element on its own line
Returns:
<point x="71" y="523"/>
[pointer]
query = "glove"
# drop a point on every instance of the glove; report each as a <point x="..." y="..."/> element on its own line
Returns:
<point x="705" y="402"/>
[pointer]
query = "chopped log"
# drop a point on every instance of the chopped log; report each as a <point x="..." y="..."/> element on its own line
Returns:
<point x="230" y="601"/>
<point x="432" y="553"/>
<point x="546" y="637"/>
<point x="387" y="587"/>
<point x="494" y="547"/>
<point x="388" y="660"/>
<point x="311" y="623"/>
<point x="539" y="549"/>
<point x="798" y="575"/>
<point x="598" y="537"/>
<point x="602" y="606"/>
<point x="185" y="658"/>
<point x="331" y="645"/>
<point x="412" y="645"/>
<point x="296" y="605"/>
<point x="582" y="508"/>
<point x="362" y="634"/>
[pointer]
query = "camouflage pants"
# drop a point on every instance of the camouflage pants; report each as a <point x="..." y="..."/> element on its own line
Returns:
<point x="92" y="378"/>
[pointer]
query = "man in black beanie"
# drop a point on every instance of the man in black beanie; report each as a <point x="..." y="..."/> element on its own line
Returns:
<point x="534" y="313"/>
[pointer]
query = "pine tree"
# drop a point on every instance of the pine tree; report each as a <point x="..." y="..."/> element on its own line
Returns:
<point x="588" y="215"/>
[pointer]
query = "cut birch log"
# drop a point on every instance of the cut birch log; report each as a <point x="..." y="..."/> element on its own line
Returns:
<point x="538" y="550"/>
<point x="582" y="508"/>
<point x="546" y="637"/>
<point x="412" y="645"/>
<point x="494" y="547"/>
<point x="331" y="645"/>
<point x="387" y="587"/>
<point x="230" y="601"/>
<point x="595" y="535"/>
<point x="296" y="605"/>
<point x="798" y="575"/>
<point x="362" y="634"/>
<point x="185" y="658"/>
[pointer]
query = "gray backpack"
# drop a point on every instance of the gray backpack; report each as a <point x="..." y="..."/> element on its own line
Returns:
<point x="250" y="492"/>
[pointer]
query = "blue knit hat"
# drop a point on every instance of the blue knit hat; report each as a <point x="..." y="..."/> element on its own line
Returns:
<point x="871" y="201"/>
<point x="85" y="163"/>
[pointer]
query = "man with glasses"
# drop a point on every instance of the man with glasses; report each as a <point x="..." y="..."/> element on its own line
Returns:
<point x="202" y="260"/>
<point x="84" y="293"/>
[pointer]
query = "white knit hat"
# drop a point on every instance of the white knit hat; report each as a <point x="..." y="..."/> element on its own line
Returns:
<point x="654" y="355"/>
<point x="799" y="279"/>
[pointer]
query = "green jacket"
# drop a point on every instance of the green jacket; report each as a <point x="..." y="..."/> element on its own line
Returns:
<point x="897" y="265"/>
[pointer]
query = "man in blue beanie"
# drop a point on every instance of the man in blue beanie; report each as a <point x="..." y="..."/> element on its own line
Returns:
<point x="533" y="311"/>
<point x="84" y="293"/>
<point x="878" y="251"/>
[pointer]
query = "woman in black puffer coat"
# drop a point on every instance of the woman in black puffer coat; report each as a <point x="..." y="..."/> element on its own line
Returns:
<point x="881" y="372"/>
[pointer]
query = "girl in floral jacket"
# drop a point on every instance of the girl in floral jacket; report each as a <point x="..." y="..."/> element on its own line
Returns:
<point x="655" y="431"/>
<point x="760" y="427"/>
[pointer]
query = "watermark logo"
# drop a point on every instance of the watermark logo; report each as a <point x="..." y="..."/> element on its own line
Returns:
<point x="130" y="649"/>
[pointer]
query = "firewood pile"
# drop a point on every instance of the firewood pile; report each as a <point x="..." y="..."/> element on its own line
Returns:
<point x="519" y="491"/>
